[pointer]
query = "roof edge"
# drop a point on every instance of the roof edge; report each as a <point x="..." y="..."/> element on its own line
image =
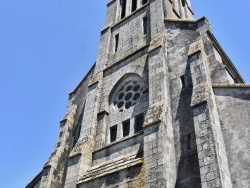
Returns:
<point x="226" y="85"/>
<point x="83" y="79"/>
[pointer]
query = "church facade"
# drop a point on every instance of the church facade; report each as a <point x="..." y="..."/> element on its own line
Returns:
<point x="162" y="107"/>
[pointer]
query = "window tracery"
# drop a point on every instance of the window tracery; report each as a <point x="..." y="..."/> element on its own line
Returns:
<point x="128" y="95"/>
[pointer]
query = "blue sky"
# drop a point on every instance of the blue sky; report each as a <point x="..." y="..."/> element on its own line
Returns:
<point x="46" y="48"/>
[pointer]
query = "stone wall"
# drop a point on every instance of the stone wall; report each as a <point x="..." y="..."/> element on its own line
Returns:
<point x="233" y="102"/>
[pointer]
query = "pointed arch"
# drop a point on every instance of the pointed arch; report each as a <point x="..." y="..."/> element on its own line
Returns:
<point x="127" y="90"/>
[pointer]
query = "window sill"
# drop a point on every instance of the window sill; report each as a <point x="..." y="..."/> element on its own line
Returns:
<point x="119" y="141"/>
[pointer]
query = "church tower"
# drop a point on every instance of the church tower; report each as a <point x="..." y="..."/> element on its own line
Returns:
<point x="156" y="110"/>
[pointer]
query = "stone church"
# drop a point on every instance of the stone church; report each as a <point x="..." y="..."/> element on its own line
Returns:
<point x="162" y="107"/>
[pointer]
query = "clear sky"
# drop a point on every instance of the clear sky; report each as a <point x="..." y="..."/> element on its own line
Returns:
<point x="46" y="48"/>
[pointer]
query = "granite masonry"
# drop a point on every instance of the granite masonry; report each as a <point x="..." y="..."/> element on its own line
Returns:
<point x="162" y="107"/>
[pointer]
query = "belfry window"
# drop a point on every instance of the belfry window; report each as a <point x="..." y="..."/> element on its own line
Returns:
<point x="113" y="133"/>
<point x="126" y="128"/>
<point x="116" y="42"/>
<point x="145" y="25"/>
<point x="139" y="120"/>
<point x="134" y="5"/>
<point x="123" y="8"/>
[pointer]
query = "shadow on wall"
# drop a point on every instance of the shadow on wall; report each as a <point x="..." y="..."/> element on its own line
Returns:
<point x="188" y="172"/>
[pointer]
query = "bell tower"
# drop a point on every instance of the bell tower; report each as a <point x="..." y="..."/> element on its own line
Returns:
<point x="153" y="111"/>
<point x="135" y="23"/>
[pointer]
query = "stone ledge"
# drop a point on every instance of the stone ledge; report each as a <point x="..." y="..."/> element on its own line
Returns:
<point x="111" y="166"/>
<point x="154" y="114"/>
<point x="119" y="141"/>
<point x="96" y="78"/>
<point x="78" y="148"/>
<point x="231" y="85"/>
<point x="196" y="47"/>
<point x="184" y="20"/>
<point x="156" y="43"/>
<point x="200" y="94"/>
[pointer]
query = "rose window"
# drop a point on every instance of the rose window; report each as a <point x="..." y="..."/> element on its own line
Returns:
<point x="128" y="95"/>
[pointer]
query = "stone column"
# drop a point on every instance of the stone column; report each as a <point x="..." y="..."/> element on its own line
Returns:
<point x="159" y="152"/>
<point x="210" y="143"/>
<point x="80" y="158"/>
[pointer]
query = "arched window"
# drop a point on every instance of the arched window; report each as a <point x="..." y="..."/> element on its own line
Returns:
<point x="128" y="95"/>
<point x="127" y="92"/>
<point x="123" y="8"/>
<point x="183" y="2"/>
<point x="134" y="5"/>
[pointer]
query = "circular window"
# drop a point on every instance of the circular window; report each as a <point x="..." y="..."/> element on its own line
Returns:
<point x="128" y="96"/>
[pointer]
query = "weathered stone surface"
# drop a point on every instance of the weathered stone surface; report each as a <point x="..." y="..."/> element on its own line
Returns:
<point x="196" y="47"/>
<point x="200" y="93"/>
<point x="154" y="114"/>
<point x="162" y="107"/>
